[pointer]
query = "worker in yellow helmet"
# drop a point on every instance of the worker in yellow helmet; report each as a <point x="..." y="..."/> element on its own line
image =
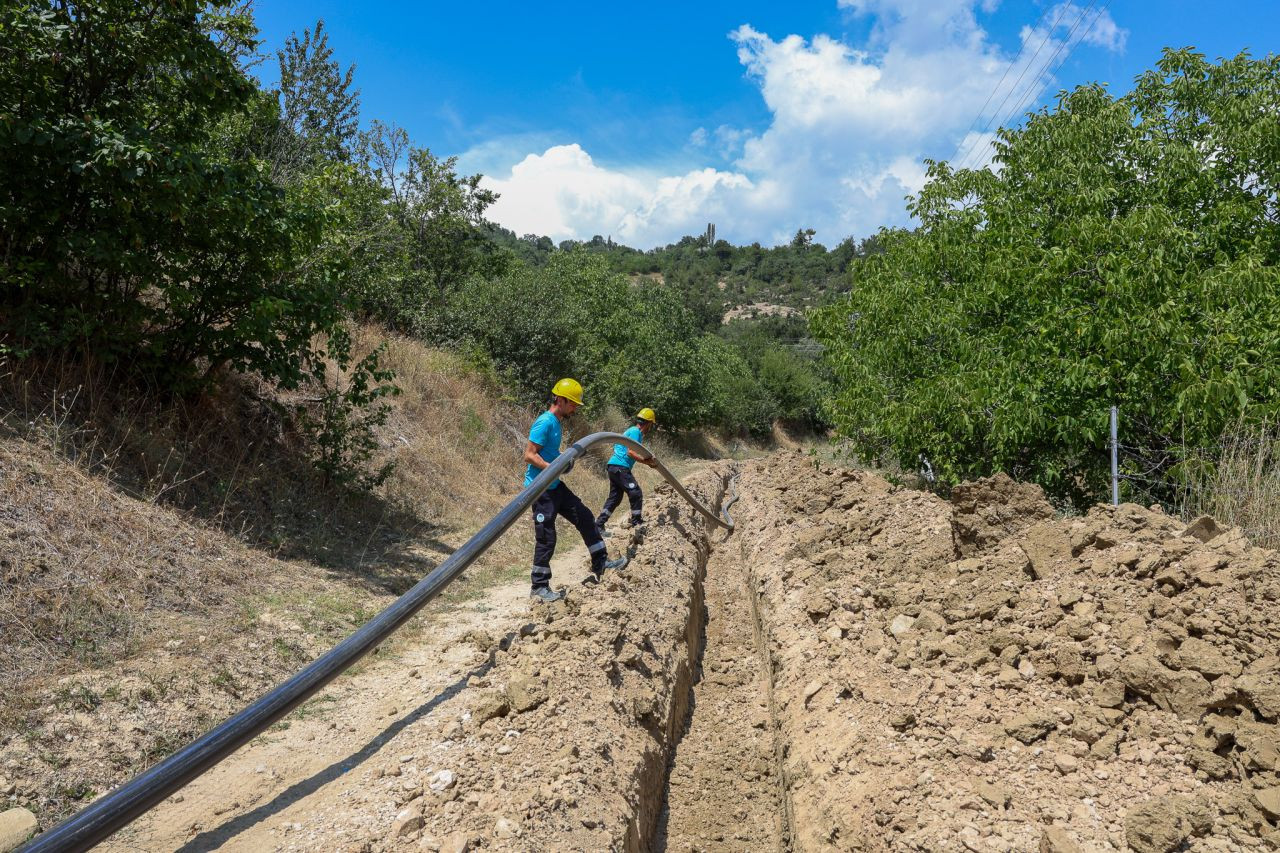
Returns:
<point x="621" y="480"/>
<point x="541" y="450"/>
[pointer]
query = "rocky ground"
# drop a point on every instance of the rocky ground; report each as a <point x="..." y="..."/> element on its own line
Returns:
<point x="980" y="675"/>
<point x="543" y="728"/>
<point x="859" y="667"/>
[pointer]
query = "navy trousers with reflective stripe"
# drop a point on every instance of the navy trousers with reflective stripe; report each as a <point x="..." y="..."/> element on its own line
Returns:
<point x="621" y="480"/>
<point x="549" y="505"/>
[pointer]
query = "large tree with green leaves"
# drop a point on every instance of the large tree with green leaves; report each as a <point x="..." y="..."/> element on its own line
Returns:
<point x="129" y="229"/>
<point x="424" y="223"/>
<point x="1122" y="250"/>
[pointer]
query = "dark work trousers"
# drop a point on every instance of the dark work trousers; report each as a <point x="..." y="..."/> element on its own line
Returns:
<point x="622" y="480"/>
<point x="550" y="504"/>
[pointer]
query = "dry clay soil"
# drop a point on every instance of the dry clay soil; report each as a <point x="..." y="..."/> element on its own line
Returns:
<point x="858" y="667"/>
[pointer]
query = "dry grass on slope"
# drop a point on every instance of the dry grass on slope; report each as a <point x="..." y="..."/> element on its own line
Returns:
<point x="1241" y="486"/>
<point x="126" y="629"/>
<point x="163" y="562"/>
<point x="454" y="440"/>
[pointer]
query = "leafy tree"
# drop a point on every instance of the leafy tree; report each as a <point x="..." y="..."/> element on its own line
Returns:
<point x="793" y="384"/>
<point x="1125" y="252"/>
<point x="728" y="396"/>
<point x="139" y="224"/>
<point x="652" y="359"/>
<point x="429" y="226"/>
<point x="319" y="109"/>
<point x="126" y="232"/>
<point x="229" y="25"/>
<point x="630" y="346"/>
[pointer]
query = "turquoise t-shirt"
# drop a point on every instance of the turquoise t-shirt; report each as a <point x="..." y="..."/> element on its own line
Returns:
<point x="545" y="433"/>
<point x="620" y="455"/>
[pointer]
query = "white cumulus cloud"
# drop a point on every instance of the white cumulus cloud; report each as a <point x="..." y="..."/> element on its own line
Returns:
<point x="849" y="129"/>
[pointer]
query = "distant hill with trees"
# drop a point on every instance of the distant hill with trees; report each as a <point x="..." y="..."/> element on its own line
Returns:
<point x="714" y="274"/>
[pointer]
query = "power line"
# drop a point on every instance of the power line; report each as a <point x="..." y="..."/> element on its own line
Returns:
<point x="1066" y="45"/>
<point x="981" y="110"/>
<point x="975" y="150"/>
<point x="1047" y="35"/>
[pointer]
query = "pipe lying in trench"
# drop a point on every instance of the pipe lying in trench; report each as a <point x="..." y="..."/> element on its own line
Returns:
<point x="119" y="808"/>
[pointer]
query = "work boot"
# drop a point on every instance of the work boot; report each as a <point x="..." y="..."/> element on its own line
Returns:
<point x="597" y="575"/>
<point x="604" y="534"/>
<point x="546" y="594"/>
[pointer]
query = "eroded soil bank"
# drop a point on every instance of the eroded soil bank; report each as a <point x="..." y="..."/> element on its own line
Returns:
<point x="979" y="675"/>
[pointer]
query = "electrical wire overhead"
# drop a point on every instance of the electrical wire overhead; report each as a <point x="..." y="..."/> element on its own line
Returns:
<point x="973" y="154"/>
<point x="1012" y="63"/>
<point x="1066" y="45"/>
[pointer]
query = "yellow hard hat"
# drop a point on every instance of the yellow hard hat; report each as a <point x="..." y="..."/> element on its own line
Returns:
<point x="646" y="414"/>
<point x="570" y="389"/>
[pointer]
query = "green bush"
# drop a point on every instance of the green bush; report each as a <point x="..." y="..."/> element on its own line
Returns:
<point x="128" y="231"/>
<point x="793" y="384"/>
<point x="1124" y="253"/>
<point x="731" y="399"/>
<point x="513" y="319"/>
<point x="630" y="346"/>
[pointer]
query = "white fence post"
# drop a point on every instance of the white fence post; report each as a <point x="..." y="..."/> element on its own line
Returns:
<point x="1115" y="447"/>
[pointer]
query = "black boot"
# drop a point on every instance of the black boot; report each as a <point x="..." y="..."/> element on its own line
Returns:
<point x="546" y="594"/>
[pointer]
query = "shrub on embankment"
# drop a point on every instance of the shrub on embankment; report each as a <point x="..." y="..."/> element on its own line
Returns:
<point x="631" y="347"/>
<point x="1122" y="251"/>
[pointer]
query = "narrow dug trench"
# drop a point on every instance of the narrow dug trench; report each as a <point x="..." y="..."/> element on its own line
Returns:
<point x="722" y="790"/>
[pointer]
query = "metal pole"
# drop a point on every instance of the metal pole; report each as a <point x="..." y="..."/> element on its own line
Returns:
<point x="1115" y="454"/>
<point x="119" y="808"/>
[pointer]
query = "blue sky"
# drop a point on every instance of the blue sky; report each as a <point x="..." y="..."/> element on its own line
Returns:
<point x="646" y="121"/>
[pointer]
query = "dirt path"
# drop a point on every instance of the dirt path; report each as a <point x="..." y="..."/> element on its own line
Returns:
<point x="282" y="791"/>
<point x="723" y="792"/>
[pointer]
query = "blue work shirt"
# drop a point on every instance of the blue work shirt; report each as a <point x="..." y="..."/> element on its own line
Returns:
<point x="545" y="433"/>
<point x="620" y="455"/>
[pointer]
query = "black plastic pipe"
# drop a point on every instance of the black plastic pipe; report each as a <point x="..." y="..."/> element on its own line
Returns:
<point x="117" y="809"/>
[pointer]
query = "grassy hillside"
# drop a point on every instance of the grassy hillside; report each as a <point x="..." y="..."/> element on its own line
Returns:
<point x="165" y="562"/>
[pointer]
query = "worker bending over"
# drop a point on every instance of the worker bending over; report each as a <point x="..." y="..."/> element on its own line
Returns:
<point x="620" y="477"/>
<point x="542" y="449"/>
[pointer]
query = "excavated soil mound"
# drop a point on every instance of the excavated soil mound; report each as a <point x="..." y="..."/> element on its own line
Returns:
<point x="983" y="676"/>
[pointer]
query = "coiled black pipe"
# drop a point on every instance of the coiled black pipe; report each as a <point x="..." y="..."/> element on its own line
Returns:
<point x="116" y="810"/>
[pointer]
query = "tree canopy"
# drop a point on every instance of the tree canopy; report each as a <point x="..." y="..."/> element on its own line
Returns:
<point x="1121" y="251"/>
